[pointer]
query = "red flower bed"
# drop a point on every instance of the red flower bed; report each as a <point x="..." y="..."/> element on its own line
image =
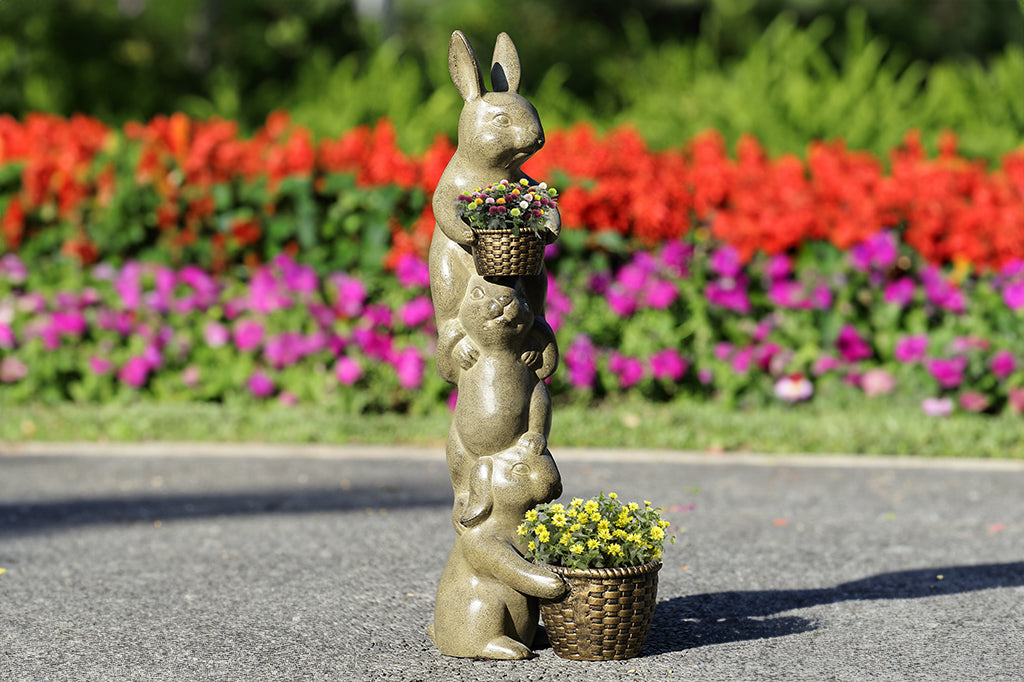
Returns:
<point x="203" y="184"/>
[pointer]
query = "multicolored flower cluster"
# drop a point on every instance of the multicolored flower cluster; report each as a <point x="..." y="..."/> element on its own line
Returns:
<point x="598" y="533"/>
<point x="516" y="205"/>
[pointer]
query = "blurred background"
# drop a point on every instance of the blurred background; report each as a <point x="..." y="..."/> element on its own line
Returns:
<point x="335" y="64"/>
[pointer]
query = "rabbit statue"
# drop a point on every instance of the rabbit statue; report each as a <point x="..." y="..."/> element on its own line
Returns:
<point x="498" y="131"/>
<point x="502" y="396"/>
<point x="487" y="598"/>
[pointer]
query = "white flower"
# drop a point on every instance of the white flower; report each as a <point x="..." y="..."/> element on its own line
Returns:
<point x="524" y="205"/>
<point x="794" y="388"/>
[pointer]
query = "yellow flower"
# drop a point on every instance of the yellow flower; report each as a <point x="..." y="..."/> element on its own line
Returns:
<point x="522" y="529"/>
<point x="558" y="520"/>
<point x="557" y="508"/>
<point x="619" y="533"/>
<point x="623" y="518"/>
<point x="576" y="502"/>
<point x="575" y="527"/>
<point x="595" y="517"/>
<point x="531" y="515"/>
<point x="657" y="533"/>
<point x="633" y="506"/>
<point x="646" y="503"/>
<point x="532" y="546"/>
<point x="633" y="537"/>
<point x="604" y="534"/>
<point x="593" y="544"/>
<point x="565" y="539"/>
<point x="614" y="549"/>
<point x="664" y="524"/>
<point x="613" y="496"/>
<point x="542" y="533"/>
<point x="576" y="549"/>
<point x="590" y="507"/>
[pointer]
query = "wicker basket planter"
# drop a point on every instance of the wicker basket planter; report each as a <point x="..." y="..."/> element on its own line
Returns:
<point x="606" y="614"/>
<point x="500" y="253"/>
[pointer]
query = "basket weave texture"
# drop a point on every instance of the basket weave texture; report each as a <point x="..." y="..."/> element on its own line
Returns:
<point x="500" y="253"/>
<point x="606" y="614"/>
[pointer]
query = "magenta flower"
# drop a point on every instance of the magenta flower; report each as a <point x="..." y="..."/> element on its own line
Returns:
<point x="911" y="348"/>
<point x="851" y="346"/>
<point x="660" y="294"/>
<point x="1013" y="294"/>
<point x="788" y="294"/>
<point x="409" y="366"/>
<point x="726" y="262"/>
<point x="878" y="252"/>
<point x="135" y="372"/>
<point x="351" y="295"/>
<point x="778" y="267"/>
<point x="900" y="292"/>
<point x="937" y="407"/>
<point x="633" y="278"/>
<point x="12" y="370"/>
<point x="374" y="344"/>
<point x="668" y="364"/>
<point x="7" y="339"/>
<point x="629" y="370"/>
<point x="248" y="335"/>
<point x="877" y="381"/>
<point x="974" y="401"/>
<point x="741" y="360"/>
<point x="620" y="301"/>
<point x="412" y="272"/>
<point x="558" y="305"/>
<point x="378" y="315"/>
<point x="128" y="286"/>
<point x="348" y="370"/>
<point x="100" y="365"/>
<point x="260" y="385"/>
<point x="284" y="349"/>
<point x="676" y="256"/>
<point x="825" y="364"/>
<point x="1003" y="364"/>
<point x="581" y="362"/>
<point x="949" y="372"/>
<point x="13" y="269"/>
<point x="729" y="294"/>
<point x="416" y="312"/>
<point x="942" y="293"/>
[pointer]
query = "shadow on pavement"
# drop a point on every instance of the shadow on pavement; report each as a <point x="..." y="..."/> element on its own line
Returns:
<point x="704" y="619"/>
<point x="32" y="517"/>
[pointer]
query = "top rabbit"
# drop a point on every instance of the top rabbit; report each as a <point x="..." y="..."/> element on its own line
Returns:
<point x="498" y="131"/>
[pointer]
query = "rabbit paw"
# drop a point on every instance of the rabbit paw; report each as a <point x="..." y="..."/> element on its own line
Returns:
<point x="506" y="648"/>
<point x="533" y="359"/>
<point x="466" y="353"/>
<point x="533" y="442"/>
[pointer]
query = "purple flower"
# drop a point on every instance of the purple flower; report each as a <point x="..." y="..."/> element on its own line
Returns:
<point x="851" y="346"/>
<point x="409" y="366"/>
<point x="260" y="385"/>
<point x="878" y="252"/>
<point x="877" y="381"/>
<point x="1003" y="364"/>
<point x="949" y="372"/>
<point x="668" y="364"/>
<point x="135" y="372"/>
<point x="348" y="370"/>
<point x="900" y="292"/>
<point x="1013" y="294"/>
<point x="12" y="369"/>
<point x="13" y="269"/>
<point x="581" y="362"/>
<point x="629" y="370"/>
<point x="730" y="294"/>
<point x="676" y="256"/>
<point x="416" y="312"/>
<point x="412" y="272"/>
<point x="974" y="401"/>
<point x="248" y="334"/>
<point x="937" y="407"/>
<point x="726" y="262"/>
<point x="911" y="348"/>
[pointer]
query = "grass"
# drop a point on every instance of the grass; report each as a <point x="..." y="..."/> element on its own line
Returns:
<point x="872" y="427"/>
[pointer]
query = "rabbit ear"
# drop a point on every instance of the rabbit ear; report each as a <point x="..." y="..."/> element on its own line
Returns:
<point x="480" y="502"/>
<point x="464" y="67"/>
<point x="505" y="70"/>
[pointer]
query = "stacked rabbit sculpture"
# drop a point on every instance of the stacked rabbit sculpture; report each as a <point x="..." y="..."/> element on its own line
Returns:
<point x="495" y="345"/>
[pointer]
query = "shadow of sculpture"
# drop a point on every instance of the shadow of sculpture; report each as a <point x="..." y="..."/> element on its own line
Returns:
<point x="716" y="618"/>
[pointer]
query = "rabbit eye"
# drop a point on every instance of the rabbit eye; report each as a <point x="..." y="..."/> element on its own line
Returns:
<point x="502" y="120"/>
<point x="521" y="470"/>
<point x="477" y="293"/>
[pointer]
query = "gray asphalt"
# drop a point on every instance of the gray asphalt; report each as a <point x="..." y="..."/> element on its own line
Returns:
<point x="222" y="563"/>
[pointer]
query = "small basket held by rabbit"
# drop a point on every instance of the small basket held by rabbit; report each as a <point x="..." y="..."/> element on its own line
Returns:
<point x="609" y="554"/>
<point x="508" y="221"/>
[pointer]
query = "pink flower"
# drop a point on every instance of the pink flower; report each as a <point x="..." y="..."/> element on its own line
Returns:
<point x="949" y="372"/>
<point x="621" y="301"/>
<point x="7" y="339"/>
<point x="937" y="407"/>
<point x="900" y="292"/>
<point x="730" y="294"/>
<point x="824" y="364"/>
<point x="1003" y="364"/>
<point x="287" y="398"/>
<point x="660" y="294"/>
<point x="412" y="272"/>
<point x="409" y="366"/>
<point x="877" y="382"/>
<point x="69" y="323"/>
<point x="742" y="359"/>
<point x="348" y="370"/>
<point x="135" y="372"/>
<point x="100" y="365"/>
<point x="416" y="312"/>
<point x="12" y="369"/>
<point x="628" y="369"/>
<point x="1013" y="294"/>
<point x="851" y="346"/>
<point x="190" y="376"/>
<point x="260" y="385"/>
<point x="13" y="268"/>
<point x="725" y="261"/>
<point x="974" y="401"/>
<point x="778" y="267"/>
<point x="668" y="364"/>
<point x="794" y="388"/>
<point x="878" y="252"/>
<point x="911" y="348"/>
<point x="216" y="334"/>
<point x="581" y="362"/>
<point x="351" y="295"/>
<point x="1015" y="397"/>
<point x="248" y="335"/>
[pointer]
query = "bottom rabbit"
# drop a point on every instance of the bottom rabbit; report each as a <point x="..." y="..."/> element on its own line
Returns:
<point x="487" y="598"/>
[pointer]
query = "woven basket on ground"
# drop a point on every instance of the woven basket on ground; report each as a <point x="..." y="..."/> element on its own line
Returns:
<point x="606" y="614"/>
<point x="500" y="253"/>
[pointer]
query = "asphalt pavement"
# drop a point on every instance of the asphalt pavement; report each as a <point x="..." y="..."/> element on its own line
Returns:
<point x="201" y="562"/>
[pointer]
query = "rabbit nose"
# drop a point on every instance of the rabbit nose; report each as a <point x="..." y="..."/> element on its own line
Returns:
<point x="540" y="141"/>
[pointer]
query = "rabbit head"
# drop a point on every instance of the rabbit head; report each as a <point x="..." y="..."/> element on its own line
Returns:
<point x="498" y="128"/>
<point x="494" y="313"/>
<point x="504" y="486"/>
